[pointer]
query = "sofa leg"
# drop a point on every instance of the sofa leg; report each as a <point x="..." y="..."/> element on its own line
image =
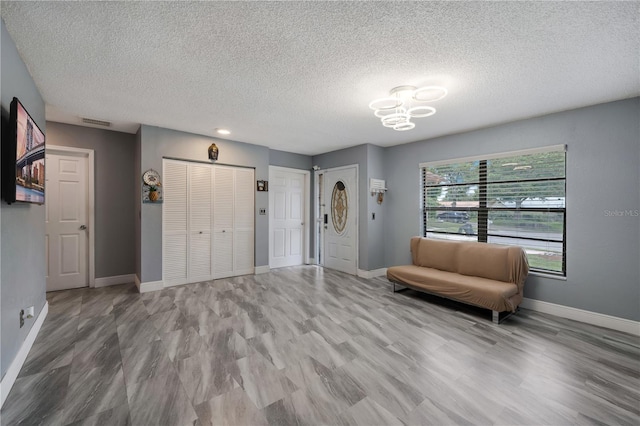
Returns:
<point x="497" y="319"/>
<point x="400" y="288"/>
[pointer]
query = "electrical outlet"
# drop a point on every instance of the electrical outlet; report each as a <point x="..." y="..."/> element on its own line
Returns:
<point x="263" y="211"/>
<point x="21" y="318"/>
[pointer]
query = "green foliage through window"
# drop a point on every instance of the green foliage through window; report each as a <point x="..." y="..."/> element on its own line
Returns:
<point x="511" y="198"/>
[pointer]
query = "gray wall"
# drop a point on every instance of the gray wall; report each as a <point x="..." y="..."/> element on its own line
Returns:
<point x="375" y="228"/>
<point x="114" y="154"/>
<point x="289" y="159"/>
<point x="346" y="157"/>
<point x="157" y="143"/>
<point x="371" y="164"/>
<point x="137" y="202"/>
<point x="22" y="251"/>
<point x="603" y="153"/>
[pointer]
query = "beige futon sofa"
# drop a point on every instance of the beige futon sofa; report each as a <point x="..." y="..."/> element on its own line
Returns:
<point x="487" y="275"/>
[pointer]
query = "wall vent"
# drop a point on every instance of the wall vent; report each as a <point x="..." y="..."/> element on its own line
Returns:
<point x="96" y="122"/>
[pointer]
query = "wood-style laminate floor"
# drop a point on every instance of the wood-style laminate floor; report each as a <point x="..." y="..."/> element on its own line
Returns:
<point x="307" y="346"/>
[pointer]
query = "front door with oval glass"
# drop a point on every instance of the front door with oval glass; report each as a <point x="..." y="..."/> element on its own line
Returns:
<point x="340" y="198"/>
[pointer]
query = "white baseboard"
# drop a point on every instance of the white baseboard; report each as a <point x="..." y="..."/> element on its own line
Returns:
<point x="312" y="261"/>
<point x="262" y="269"/>
<point x="594" y="318"/>
<point x="149" y="286"/>
<point x="372" y="274"/>
<point x="12" y="373"/>
<point x="115" y="280"/>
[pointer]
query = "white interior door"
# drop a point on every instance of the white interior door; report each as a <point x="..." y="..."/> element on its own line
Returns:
<point x="67" y="241"/>
<point x="286" y="221"/>
<point x="341" y="208"/>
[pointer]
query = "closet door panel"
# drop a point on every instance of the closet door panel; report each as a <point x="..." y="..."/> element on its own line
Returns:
<point x="243" y="252"/>
<point x="223" y="254"/>
<point x="244" y="199"/>
<point x="223" y="195"/>
<point x="200" y="268"/>
<point x="175" y="259"/>
<point x="200" y="218"/>
<point x="244" y="217"/>
<point x="175" y="223"/>
<point x="223" y="198"/>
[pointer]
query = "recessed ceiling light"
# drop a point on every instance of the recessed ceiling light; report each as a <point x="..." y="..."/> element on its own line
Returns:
<point x="223" y="131"/>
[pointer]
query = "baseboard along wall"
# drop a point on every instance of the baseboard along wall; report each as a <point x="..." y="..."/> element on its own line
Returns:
<point x="261" y="269"/>
<point x="589" y="317"/>
<point x="14" y="369"/>
<point x="115" y="280"/>
<point x="373" y="273"/>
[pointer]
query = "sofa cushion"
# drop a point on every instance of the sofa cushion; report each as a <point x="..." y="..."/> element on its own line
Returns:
<point x="438" y="254"/>
<point x="484" y="260"/>
<point x="487" y="293"/>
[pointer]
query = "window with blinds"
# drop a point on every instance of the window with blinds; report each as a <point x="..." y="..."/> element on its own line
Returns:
<point x="515" y="198"/>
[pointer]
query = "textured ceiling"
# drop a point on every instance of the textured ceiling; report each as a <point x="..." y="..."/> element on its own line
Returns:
<point x="298" y="76"/>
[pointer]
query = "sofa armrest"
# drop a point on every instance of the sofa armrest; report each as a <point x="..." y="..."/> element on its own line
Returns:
<point x="518" y="267"/>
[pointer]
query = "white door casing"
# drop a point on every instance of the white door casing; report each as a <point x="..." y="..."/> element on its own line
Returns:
<point x="341" y="229"/>
<point x="67" y="221"/>
<point x="287" y="200"/>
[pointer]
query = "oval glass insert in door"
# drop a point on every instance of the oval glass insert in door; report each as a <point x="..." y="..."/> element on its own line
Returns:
<point x="339" y="207"/>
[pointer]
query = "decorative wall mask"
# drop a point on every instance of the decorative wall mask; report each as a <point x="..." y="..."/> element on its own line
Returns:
<point x="339" y="207"/>
<point x="213" y="152"/>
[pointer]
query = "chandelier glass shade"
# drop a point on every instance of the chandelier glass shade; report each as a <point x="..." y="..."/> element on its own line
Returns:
<point x="405" y="103"/>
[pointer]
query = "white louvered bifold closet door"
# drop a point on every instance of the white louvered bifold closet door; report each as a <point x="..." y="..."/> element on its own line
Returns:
<point x="175" y="237"/>
<point x="200" y="218"/>
<point x="208" y="222"/>
<point x="243" y="226"/>
<point x="223" y="195"/>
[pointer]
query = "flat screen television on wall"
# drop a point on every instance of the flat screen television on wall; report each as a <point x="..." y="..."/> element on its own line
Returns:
<point x="23" y="157"/>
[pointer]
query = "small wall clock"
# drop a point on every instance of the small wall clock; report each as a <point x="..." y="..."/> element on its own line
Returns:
<point x="151" y="177"/>
<point x="151" y="187"/>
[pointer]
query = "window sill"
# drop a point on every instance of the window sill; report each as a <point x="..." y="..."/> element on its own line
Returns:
<point x="545" y="275"/>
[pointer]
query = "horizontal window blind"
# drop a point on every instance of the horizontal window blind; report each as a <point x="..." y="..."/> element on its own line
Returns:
<point x="515" y="198"/>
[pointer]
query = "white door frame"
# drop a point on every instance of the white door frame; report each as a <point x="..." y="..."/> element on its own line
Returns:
<point x="319" y="220"/>
<point x="307" y="206"/>
<point x="89" y="154"/>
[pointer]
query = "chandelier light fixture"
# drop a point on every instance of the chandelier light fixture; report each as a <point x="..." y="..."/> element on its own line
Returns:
<point x="405" y="103"/>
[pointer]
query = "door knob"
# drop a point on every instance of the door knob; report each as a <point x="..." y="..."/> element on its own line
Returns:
<point x="83" y="227"/>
